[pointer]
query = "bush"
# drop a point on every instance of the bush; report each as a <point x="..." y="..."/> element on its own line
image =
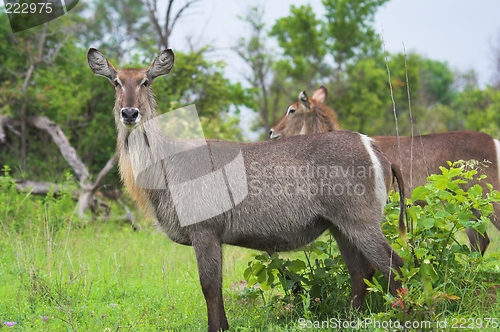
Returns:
<point x="20" y="210"/>
<point x="438" y="268"/>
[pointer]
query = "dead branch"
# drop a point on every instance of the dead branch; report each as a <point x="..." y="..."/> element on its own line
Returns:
<point x="106" y="169"/>
<point x="3" y="122"/>
<point x="39" y="188"/>
<point x="67" y="151"/>
<point x="162" y="40"/>
<point x="165" y="31"/>
<point x="88" y="189"/>
<point x="177" y="16"/>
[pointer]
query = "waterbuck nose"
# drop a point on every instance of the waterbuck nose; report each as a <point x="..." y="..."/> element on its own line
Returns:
<point x="271" y="133"/>
<point x="129" y="115"/>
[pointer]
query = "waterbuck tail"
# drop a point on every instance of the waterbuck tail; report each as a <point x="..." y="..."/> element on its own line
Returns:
<point x="401" y="187"/>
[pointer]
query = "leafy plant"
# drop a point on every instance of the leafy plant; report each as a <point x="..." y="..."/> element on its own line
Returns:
<point x="316" y="284"/>
<point x="21" y="211"/>
<point x="439" y="269"/>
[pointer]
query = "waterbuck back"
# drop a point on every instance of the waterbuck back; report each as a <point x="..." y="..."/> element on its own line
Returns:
<point x="270" y="196"/>
<point x="417" y="157"/>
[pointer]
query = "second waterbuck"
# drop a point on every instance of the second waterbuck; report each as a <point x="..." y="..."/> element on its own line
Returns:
<point x="417" y="157"/>
<point x="270" y="196"/>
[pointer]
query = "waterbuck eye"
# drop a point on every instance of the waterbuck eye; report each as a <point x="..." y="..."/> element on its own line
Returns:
<point x="145" y="83"/>
<point x="291" y="110"/>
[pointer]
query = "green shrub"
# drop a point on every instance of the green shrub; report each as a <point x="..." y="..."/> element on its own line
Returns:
<point x="438" y="269"/>
<point x="20" y="210"/>
<point x="317" y="284"/>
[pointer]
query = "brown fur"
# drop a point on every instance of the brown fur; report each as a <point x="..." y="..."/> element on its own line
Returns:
<point x="262" y="220"/>
<point x="420" y="156"/>
<point x="312" y="115"/>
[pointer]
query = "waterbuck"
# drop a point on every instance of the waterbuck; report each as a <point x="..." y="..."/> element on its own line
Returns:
<point x="294" y="189"/>
<point x="429" y="152"/>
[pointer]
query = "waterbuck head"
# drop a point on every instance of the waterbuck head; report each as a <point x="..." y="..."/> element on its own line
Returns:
<point x="306" y="116"/>
<point x="134" y="100"/>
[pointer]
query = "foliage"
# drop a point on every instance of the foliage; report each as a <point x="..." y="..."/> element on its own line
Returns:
<point x="477" y="109"/>
<point x="438" y="268"/>
<point x="363" y="103"/>
<point x="316" y="284"/>
<point x="59" y="274"/>
<point x="314" y="50"/>
<point x="350" y="32"/>
<point x="196" y="80"/>
<point x="260" y="59"/>
<point x="303" y="40"/>
<point x="65" y="90"/>
<point x="19" y="211"/>
<point x="431" y="93"/>
<point x="342" y="51"/>
<point x="435" y="260"/>
<point x="358" y="86"/>
<point x="120" y="27"/>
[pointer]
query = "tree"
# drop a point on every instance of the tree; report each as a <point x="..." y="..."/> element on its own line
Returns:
<point x="431" y="90"/>
<point x="302" y="39"/>
<point x="350" y="32"/>
<point x="164" y="31"/>
<point x="65" y="92"/>
<point x="36" y="48"/>
<point x="121" y="27"/>
<point x="364" y="104"/>
<point x="478" y="110"/>
<point x="344" y="38"/>
<point x="260" y="60"/>
<point x="196" y="80"/>
<point x="496" y="59"/>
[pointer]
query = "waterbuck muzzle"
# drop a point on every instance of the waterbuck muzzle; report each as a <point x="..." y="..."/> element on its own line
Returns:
<point x="130" y="116"/>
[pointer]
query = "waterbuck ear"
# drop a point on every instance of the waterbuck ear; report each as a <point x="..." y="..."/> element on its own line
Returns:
<point x="320" y="94"/>
<point x="161" y="65"/>
<point x="99" y="65"/>
<point x="304" y="100"/>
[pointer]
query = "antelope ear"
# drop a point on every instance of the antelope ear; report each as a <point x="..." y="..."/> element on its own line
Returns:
<point x="161" y="65"/>
<point x="304" y="100"/>
<point x="99" y="65"/>
<point x="320" y="94"/>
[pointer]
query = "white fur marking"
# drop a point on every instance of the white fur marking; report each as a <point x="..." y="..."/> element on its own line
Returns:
<point x="140" y="84"/>
<point x="121" y="85"/>
<point x="303" y="130"/>
<point x="380" y="189"/>
<point x="497" y="151"/>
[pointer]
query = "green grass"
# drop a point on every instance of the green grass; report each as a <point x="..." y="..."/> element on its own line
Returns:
<point x="59" y="274"/>
<point x="106" y="277"/>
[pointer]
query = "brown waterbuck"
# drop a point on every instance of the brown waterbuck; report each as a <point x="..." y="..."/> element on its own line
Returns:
<point x="418" y="157"/>
<point x="294" y="189"/>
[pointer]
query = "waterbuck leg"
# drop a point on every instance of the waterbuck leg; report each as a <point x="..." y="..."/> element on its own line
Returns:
<point x="209" y="258"/>
<point x="375" y="248"/>
<point x="477" y="241"/>
<point x="357" y="264"/>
